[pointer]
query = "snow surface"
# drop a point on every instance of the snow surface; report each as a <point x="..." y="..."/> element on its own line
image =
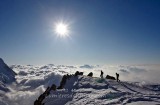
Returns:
<point x="139" y="84"/>
<point x="85" y="90"/>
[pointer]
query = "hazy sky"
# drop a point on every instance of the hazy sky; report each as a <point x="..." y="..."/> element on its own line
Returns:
<point x="101" y="31"/>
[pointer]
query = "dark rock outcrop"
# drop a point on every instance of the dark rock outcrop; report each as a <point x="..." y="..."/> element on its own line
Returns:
<point x="90" y="74"/>
<point x="78" y="73"/>
<point x="40" y="99"/>
<point x="110" y="77"/>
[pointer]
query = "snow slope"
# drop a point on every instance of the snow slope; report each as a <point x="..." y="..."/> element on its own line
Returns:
<point x="7" y="75"/>
<point x="83" y="90"/>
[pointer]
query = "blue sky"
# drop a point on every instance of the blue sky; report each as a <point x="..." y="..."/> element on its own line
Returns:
<point x="101" y="32"/>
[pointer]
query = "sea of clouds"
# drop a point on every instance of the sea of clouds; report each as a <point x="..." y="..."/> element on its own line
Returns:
<point x="32" y="81"/>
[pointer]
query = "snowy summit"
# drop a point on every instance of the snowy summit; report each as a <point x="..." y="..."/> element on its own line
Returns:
<point x="84" y="90"/>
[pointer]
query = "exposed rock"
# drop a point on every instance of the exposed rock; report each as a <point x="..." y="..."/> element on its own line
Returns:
<point x="110" y="77"/>
<point x="90" y="74"/>
<point x="7" y="75"/>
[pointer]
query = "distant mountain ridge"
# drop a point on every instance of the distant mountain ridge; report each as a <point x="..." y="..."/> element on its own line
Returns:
<point x="7" y="75"/>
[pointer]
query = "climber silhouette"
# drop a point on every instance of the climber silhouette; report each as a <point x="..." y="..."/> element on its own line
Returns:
<point x="117" y="77"/>
<point x="101" y="74"/>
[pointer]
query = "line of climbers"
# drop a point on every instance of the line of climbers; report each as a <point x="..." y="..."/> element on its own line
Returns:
<point x="40" y="99"/>
<point x="110" y="77"/>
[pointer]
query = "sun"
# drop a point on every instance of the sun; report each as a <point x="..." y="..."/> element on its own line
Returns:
<point x="61" y="29"/>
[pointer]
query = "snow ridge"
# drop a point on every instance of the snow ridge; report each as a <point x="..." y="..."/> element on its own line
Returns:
<point x="84" y="90"/>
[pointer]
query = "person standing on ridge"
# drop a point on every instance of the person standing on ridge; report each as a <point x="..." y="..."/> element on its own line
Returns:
<point x="101" y="74"/>
<point x="117" y="77"/>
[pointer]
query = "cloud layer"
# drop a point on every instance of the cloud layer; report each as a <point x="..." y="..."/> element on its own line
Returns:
<point x="33" y="80"/>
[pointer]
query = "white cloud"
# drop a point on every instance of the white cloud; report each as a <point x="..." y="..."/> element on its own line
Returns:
<point x="32" y="80"/>
<point x="23" y="97"/>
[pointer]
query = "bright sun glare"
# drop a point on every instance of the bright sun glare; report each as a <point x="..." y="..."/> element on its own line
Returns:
<point x="61" y="29"/>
